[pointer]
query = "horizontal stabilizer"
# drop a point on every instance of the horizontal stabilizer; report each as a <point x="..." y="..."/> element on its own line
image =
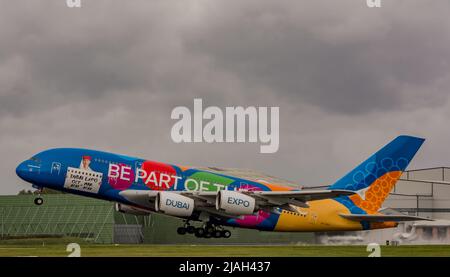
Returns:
<point x="382" y="217"/>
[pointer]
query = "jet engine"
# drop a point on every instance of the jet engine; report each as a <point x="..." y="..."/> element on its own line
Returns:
<point x="174" y="204"/>
<point x="235" y="203"/>
<point x="126" y="209"/>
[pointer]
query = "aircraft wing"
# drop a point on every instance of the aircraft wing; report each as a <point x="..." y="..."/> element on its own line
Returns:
<point x="298" y="197"/>
<point x="382" y="217"/>
<point x="271" y="199"/>
<point x="265" y="199"/>
<point x="250" y="174"/>
<point x="142" y="198"/>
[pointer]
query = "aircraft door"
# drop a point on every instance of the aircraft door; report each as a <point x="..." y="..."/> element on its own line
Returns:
<point x="55" y="169"/>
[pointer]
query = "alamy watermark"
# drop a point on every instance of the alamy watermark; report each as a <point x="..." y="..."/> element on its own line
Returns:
<point x="73" y="3"/>
<point x="74" y="249"/>
<point x="374" y="249"/>
<point x="235" y="128"/>
<point x="373" y="3"/>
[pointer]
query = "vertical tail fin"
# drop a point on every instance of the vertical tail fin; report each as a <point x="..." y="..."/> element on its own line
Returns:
<point x="374" y="178"/>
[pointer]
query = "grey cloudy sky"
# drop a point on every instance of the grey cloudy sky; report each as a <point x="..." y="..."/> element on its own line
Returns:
<point x="347" y="79"/>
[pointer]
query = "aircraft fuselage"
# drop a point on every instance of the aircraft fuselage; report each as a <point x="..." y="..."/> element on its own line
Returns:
<point x="105" y="175"/>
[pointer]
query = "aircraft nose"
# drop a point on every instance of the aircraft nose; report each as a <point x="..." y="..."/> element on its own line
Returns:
<point x="22" y="170"/>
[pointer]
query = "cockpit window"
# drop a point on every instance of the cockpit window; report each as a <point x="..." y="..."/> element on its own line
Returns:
<point x="35" y="159"/>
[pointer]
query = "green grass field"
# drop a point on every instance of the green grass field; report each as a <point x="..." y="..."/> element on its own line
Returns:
<point x="57" y="248"/>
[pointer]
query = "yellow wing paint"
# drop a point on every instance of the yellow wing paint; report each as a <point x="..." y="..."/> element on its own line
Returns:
<point x="322" y="215"/>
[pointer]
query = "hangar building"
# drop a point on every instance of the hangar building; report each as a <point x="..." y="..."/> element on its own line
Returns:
<point x="65" y="215"/>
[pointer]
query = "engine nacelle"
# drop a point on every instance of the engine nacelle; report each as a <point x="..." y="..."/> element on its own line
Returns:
<point x="126" y="209"/>
<point x="174" y="204"/>
<point x="235" y="203"/>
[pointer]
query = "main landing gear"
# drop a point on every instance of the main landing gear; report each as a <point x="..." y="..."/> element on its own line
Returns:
<point x="208" y="231"/>
<point x="186" y="229"/>
<point x="39" y="200"/>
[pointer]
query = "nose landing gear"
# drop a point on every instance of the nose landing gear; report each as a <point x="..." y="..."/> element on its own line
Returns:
<point x="39" y="200"/>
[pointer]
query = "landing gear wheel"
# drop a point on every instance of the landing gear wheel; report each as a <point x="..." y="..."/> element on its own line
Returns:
<point x="38" y="201"/>
<point x="190" y="229"/>
<point x="181" y="230"/>
<point x="200" y="232"/>
<point x="209" y="229"/>
<point x="226" y="234"/>
<point x="217" y="234"/>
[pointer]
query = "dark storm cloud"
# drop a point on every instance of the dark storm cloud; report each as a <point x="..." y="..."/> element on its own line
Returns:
<point x="353" y="61"/>
<point x="319" y="52"/>
<point x="68" y="55"/>
<point x="346" y="78"/>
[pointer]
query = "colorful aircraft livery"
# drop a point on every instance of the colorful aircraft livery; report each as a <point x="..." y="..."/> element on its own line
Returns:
<point x="217" y="200"/>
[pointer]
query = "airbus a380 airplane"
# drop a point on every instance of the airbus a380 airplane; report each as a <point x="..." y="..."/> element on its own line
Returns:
<point x="141" y="187"/>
